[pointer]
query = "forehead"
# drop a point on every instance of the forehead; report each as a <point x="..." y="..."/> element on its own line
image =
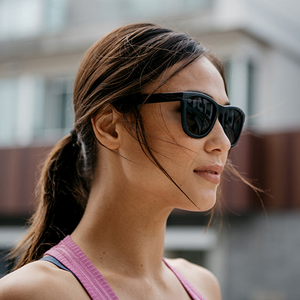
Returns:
<point x="201" y="76"/>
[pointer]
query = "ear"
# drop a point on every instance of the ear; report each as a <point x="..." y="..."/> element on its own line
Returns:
<point x="105" y="129"/>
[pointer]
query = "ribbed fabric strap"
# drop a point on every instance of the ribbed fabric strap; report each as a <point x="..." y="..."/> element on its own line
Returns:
<point x="72" y="257"/>
<point x="74" y="260"/>
<point x="192" y="291"/>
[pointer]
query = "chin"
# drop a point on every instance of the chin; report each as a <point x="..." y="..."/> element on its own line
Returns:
<point x="204" y="208"/>
<point x="200" y="200"/>
<point x="204" y="203"/>
<point x="200" y="206"/>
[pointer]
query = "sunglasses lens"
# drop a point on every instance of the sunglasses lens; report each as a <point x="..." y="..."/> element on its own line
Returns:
<point x="200" y="116"/>
<point x="232" y="123"/>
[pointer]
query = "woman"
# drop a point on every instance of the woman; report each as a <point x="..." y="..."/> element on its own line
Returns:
<point x="152" y="132"/>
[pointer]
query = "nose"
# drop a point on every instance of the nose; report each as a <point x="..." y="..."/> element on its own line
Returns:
<point x="217" y="140"/>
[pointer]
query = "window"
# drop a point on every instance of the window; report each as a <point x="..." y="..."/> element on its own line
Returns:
<point x="241" y="85"/>
<point x="112" y="9"/>
<point x="54" y="112"/>
<point x="55" y="12"/>
<point x="8" y="103"/>
<point x="250" y="87"/>
<point x="34" y="109"/>
<point x="20" y="18"/>
<point x="28" y="18"/>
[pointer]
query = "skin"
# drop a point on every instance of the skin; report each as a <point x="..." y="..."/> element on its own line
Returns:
<point x="122" y="230"/>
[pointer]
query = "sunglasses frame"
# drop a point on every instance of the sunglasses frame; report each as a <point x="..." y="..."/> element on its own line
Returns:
<point x="185" y="97"/>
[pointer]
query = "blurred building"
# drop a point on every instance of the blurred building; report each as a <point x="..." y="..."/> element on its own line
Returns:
<point x="41" y="45"/>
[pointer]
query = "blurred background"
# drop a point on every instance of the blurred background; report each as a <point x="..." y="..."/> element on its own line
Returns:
<point x="252" y="251"/>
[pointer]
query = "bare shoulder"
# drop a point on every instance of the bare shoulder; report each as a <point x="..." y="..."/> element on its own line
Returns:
<point x="202" y="279"/>
<point x="40" y="280"/>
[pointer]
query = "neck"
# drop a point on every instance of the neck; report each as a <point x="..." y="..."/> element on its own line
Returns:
<point x="123" y="231"/>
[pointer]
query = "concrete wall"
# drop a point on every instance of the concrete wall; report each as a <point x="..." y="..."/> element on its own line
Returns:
<point x="261" y="257"/>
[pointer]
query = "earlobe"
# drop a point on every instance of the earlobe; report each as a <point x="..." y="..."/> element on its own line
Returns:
<point x="105" y="129"/>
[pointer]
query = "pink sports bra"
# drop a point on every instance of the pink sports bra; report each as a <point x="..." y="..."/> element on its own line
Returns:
<point x="68" y="256"/>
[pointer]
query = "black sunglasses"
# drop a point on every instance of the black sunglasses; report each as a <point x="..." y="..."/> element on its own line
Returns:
<point x="200" y="112"/>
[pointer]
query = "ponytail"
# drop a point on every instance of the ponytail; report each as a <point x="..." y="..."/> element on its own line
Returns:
<point x="62" y="193"/>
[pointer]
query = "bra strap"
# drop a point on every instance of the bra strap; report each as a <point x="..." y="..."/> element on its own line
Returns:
<point x="56" y="262"/>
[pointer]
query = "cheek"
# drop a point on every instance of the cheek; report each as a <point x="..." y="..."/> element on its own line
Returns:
<point x="142" y="175"/>
<point x="177" y="154"/>
<point x="170" y="144"/>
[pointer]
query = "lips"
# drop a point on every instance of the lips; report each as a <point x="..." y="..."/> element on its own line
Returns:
<point x="211" y="173"/>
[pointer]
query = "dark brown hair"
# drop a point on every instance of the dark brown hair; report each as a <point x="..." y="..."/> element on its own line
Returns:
<point x="118" y="65"/>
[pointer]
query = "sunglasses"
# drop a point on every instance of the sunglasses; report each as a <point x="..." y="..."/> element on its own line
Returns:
<point x="200" y="112"/>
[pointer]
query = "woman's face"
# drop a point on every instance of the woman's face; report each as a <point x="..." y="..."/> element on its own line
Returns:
<point x="194" y="164"/>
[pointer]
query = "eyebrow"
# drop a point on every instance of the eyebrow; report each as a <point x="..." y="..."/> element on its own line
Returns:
<point x="195" y="91"/>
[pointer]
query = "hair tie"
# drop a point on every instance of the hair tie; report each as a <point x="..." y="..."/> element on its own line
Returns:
<point x="74" y="137"/>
